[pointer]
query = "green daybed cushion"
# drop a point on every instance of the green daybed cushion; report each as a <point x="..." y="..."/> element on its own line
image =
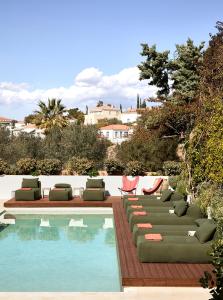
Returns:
<point x="205" y="232"/>
<point x="95" y="183"/>
<point x="156" y="209"/>
<point x="30" y="183"/>
<point x="62" y="185"/>
<point x="173" y="249"/>
<point x="166" y="195"/>
<point x="201" y="221"/>
<point x="163" y="229"/>
<point x="177" y="196"/>
<point x="151" y="201"/>
<point x="193" y="213"/>
<point x="180" y="208"/>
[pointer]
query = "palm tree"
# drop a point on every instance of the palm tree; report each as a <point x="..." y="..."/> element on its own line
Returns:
<point x="51" y="114"/>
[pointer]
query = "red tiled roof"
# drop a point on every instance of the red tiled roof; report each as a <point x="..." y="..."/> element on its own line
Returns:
<point x="3" y="119"/>
<point x="115" y="127"/>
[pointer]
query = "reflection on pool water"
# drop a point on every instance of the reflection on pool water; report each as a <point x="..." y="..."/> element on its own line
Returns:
<point x="59" y="253"/>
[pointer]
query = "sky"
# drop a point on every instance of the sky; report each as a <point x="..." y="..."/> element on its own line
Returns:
<point x="82" y="51"/>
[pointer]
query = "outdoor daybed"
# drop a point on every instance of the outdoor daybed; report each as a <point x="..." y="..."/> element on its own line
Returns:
<point x="143" y="228"/>
<point x="181" y="249"/>
<point x="182" y="215"/>
<point x="30" y="190"/>
<point x="165" y="199"/>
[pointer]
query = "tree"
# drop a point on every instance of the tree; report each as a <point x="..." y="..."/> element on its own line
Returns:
<point x="120" y="108"/>
<point x="100" y="103"/>
<point x="51" y="114"/>
<point x="182" y="71"/>
<point x="76" y="114"/>
<point x="155" y="68"/>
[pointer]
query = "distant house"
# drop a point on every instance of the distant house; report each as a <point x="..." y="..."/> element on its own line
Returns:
<point x="21" y="127"/>
<point x="116" y="133"/>
<point x="129" y="116"/>
<point x="101" y="112"/>
<point x="7" y="122"/>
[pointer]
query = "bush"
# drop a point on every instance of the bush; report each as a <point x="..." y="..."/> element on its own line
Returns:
<point x="49" y="167"/>
<point x="172" y="168"/>
<point x="79" y="166"/>
<point x="209" y="195"/>
<point x="173" y="180"/>
<point x="113" y="167"/>
<point x="181" y="187"/>
<point x="26" y="166"/>
<point x="134" y="168"/>
<point x="3" y="167"/>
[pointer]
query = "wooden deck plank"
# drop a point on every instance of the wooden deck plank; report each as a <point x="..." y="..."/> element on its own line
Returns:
<point x="133" y="272"/>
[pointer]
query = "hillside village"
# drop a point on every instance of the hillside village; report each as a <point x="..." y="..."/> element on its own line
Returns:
<point x="121" y="130"/>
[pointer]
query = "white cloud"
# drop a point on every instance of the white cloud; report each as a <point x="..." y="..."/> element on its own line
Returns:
<point x="89" y="86"/>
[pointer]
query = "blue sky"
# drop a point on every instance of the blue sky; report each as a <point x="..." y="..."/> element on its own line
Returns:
<point x="47" y="44"/>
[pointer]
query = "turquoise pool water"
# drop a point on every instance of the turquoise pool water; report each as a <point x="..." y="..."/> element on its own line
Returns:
<point x="59" y="253"/>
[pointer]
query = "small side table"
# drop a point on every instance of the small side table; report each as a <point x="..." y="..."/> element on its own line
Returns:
<point x="46" y="191"/>
<point x="78" y="191"/>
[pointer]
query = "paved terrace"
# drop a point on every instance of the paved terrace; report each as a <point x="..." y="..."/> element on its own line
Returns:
<point x="133" y="272"/>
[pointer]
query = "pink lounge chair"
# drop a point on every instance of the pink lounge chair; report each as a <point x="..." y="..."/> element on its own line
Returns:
<point x="129" y="186"/>
<point x="155" y="187"/>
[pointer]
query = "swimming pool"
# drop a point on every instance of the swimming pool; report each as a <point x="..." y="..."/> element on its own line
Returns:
<point x="59" y="253"/>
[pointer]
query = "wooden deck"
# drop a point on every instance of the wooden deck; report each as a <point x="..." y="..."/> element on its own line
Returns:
<point x="133" y="272"/>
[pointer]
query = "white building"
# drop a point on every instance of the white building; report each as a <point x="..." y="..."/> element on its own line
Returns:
<point x="21" y="127"/>
<point x="101" y="112"/>
<point x="116" y="133"/>
<point x="129" y="116"/>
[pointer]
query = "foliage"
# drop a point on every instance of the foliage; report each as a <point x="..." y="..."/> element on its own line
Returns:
<point x="182" y="187"/>
<point x="210" y="195"/>
<point x="149" y="150"/>
<point x="173" y="180"/>
<point x="172" y="168"/>
<point x="79" y="166"/>
<point x="212" y="68"/>
<point x="106" y="122"/>
<point x="169" y="119"/>
<point x="49" y="166"/>
<point x="205" y="151"/>
<point x="3" y="166"/>
<point x="76" y="114"/>
<point x="26" y="166"/>
<point x="155" y="68"/>
<point x="215" y="283"/>
<point x="182" y="71"/>
<point x="134" y="168"/>
<point x="185" y="71"/>
<point x="113" y="167"/>
<point x="51" y="114"/>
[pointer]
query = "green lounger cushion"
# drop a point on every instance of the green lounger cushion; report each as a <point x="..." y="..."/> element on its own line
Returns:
<point x="205" y="232"/>
<point x="173" y="249"/>
<point x="180" y="208"/>
<point x="156" y="209"/>
<point x="163" y="229"/>
<point x="30" y="183"/>
<point x="201" y="221"/>
<point x="94" y="195"/>
<point x="62" y="185"/>
<point x="166" y="195"/>
<point x="177" y="196"/>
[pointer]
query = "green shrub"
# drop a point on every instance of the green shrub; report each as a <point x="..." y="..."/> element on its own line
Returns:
<point x="26" y="166"/>
<point x="134" y="168"/>
<point x="113" y="167"/>
<point x="173" y="180"/>
<point x="3" y="167"/>
<point x="181" y="187"/>
<point x="172" y="168"/>
<point x="79" y="166"/>
<point x="49" y="167"/>
<point x="12" y="170"/>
